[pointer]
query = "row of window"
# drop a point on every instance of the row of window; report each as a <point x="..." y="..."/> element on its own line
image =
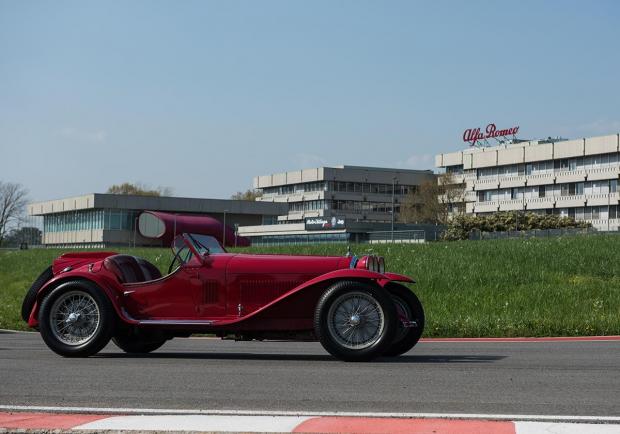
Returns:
<point x="364" y="207"/>
<point x="552" y="190"/>
<point x="308" y="205"/>
<point x="547" y="166"/>
<point x="340" y="186"/>
<point x="108" y="219"/>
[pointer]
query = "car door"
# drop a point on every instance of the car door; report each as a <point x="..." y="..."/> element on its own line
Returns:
<point x="213" y="298"/>
<point x="175" y="296"/>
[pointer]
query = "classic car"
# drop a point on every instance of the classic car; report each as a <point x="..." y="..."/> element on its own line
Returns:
<point x="356" y="309"/>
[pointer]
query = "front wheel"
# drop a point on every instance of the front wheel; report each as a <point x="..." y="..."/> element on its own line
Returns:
<point x="355" y="321"/>
<point x="410" y="320"/>
<point x="76" y="319"/>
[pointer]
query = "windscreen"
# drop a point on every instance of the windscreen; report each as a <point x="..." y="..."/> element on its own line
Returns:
<point x="206" y="244"/>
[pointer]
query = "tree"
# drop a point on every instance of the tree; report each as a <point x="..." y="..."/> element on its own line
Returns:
<point x="434" y="201"/>
<point x="13" y="199"/>
<point x="25" y="235"/>
<point x="247" y="195"/>
<point x="139" y="189"/>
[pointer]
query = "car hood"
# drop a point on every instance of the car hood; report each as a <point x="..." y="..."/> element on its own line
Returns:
<point x="285" y="264"/>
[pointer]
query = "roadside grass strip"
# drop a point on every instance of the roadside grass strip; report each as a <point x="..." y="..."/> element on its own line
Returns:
<point x="269" y="422"/>
<point x="567" y="286"/>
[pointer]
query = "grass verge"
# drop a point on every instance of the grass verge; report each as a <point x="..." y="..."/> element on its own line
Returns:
<point x="536" y="287"/>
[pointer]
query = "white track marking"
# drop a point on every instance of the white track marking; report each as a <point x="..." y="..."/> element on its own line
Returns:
<point x="162" y="411"/>
<point x="210" y="423"/>
<point x="564" y="428"/>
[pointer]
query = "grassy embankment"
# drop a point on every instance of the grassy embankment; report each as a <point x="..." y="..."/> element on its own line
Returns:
<point x="538" y="287"/>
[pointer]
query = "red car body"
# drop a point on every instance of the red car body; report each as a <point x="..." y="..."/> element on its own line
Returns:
<point x="232" y="295"/>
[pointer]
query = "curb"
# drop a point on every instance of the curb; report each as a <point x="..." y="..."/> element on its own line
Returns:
<point x="61" y="422"/>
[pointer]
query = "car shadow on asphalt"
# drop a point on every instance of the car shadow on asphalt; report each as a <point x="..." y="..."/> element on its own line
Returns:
<point x="437" y="358"/>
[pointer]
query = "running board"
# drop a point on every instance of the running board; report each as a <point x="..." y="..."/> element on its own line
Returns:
<point x="167" y="322"/>
<point x="180" y="322"/>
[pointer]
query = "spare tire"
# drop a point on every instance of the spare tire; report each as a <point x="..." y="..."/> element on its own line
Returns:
<point x="31" y="295"/>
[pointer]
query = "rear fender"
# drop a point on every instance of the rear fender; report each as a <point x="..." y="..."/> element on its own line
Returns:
<point x="110" y="287"/>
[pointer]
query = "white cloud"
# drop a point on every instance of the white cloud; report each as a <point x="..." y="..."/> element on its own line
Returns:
<point x="70" y="133"/>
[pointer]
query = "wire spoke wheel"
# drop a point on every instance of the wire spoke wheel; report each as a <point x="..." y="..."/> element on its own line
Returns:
<point x="355" y="320"/>
<point x="74" y="318"/>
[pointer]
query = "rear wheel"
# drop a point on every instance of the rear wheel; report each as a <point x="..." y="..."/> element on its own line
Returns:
<point x="76" y="319"/>
<point x="138" y="341"/>
<point x="410" y="320"/>
<point x="355" y="321"/>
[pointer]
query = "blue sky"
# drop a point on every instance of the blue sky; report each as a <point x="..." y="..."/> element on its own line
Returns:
<point x="202" y="96"/>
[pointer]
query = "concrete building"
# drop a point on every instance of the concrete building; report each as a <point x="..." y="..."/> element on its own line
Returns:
<point x="101" y="220"/>
<point x="354" y="193"/>
<point x="331" y="204"/>
<point x="575" y="178"/>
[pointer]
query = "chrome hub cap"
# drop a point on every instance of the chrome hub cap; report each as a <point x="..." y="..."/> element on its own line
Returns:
<point x="74" y="318"/>
<point x="355" y="320"/>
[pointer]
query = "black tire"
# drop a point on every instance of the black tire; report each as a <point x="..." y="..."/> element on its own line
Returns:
<point x="101" y="332"/>
<point x="137" y="341"/>
<point x="406" y="337"/>
<point x="31" y="295"/>
<point x="333" y="303"/>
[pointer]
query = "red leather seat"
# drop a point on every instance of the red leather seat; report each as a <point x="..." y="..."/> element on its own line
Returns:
<point x="129" y="269"/>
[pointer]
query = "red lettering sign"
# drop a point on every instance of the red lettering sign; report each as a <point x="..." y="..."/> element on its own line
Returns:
<point x="472" y="135"/>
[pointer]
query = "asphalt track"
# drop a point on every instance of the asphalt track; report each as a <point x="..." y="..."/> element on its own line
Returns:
<point x="543" y="378"/>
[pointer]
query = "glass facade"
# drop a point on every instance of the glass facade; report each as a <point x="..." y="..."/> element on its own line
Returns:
<point x="274" y="240"/>
<point x="88" y="219"/>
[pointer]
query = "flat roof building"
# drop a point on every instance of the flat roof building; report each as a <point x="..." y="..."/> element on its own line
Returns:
<point x="101" y="220"/>
<point x="573" y="178"/>
<point x="342" y="203"/>
<point x="356" y="193"/>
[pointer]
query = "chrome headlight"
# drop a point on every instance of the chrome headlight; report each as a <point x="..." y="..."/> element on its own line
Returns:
<point x="381" y="264"/>
<point x="372" y="264"/>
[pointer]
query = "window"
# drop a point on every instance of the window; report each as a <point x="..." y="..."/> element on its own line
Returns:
<point x="541" y="191"/>
<point x="571" y="189"/>
<point x="595" y="213"/>
<point x="572" y="164"/>
<point x="579" y="188"/>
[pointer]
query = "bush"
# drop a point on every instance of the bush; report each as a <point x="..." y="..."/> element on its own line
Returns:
<point x="461" y="226"/>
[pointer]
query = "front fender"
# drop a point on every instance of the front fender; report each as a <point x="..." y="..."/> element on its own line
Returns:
<point x="309" y="293"/>
<point x="108" y="286"/>
<point x="394" y="277"/>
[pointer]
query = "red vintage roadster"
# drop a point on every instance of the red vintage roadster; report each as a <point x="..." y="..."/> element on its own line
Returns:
<point x="356" y="309"/>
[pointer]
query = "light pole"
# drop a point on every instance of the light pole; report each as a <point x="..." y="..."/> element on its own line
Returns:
<point x="224" y="229"/>
<point x="393" y="184"/>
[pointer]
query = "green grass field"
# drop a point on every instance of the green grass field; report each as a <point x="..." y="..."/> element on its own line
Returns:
<point x="535" y="287"/>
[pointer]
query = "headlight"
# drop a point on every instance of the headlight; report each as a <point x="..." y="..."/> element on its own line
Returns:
<point x="372" y="264"/>
<point x="381" y="264"/>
